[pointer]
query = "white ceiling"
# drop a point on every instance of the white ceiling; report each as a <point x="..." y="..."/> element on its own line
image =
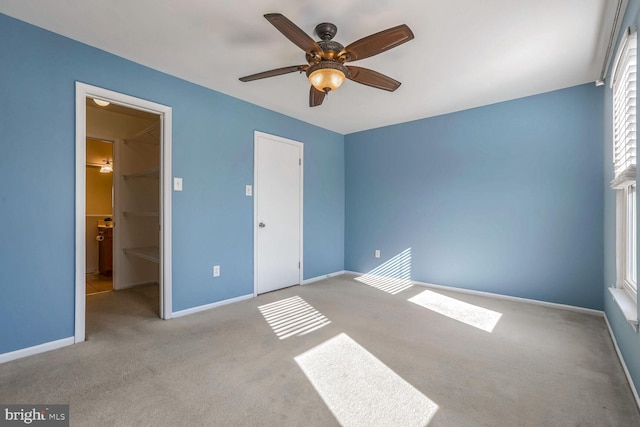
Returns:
<point x="466" y="53"/>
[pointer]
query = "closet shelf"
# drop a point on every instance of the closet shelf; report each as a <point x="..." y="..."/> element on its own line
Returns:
<point x="141" y="213"/>
<point x="149" y="253"/>
<point x="149" y="173"/>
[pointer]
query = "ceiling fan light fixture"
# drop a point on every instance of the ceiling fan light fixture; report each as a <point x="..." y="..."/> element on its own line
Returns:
<point x="327" y="75"/>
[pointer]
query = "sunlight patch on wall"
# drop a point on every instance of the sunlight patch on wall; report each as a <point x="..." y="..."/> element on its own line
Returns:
<point x="472" y="315"/>
<point x="292" y="316"/>
<point x="360" y="390"/>
<point x="393" y="276"/>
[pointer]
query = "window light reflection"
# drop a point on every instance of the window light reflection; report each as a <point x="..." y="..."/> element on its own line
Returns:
<point x="472" y="315"/>
<point x="292" y="316"/>
<point x="393" y="276"/>
<point x="360" y="390"/>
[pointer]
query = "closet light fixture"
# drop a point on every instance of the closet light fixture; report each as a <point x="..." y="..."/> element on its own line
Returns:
<point x="107" y="167"/>
<point x="100" y="102"/>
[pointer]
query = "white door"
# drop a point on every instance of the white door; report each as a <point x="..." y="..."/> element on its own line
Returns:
<point x="278" y="212"/>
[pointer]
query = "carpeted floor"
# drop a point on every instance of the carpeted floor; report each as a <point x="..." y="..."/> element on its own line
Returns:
<point x="342" y="352"/>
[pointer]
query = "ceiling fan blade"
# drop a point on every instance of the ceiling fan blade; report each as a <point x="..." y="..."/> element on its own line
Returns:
<point x="315" y="97"/>
<point x="293" y="33"/>
<point x="372" y="78"/>
<point x="378" y="42"/>
<point x="273" y="73"/>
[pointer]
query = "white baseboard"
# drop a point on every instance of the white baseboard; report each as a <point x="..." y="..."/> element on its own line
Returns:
<point x="590" y="311"/>
<point x="624" y="365"/>
<point x="36" y="349"/>
<point x="593" y="312"/>
<point x="324" y="276"/>
<point x="210" y="306"/>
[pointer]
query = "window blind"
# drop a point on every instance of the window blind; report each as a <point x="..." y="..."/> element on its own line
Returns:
<point x="624" y="112"/>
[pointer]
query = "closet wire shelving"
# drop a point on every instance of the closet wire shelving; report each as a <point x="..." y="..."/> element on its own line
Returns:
<point x="150" y="135"/>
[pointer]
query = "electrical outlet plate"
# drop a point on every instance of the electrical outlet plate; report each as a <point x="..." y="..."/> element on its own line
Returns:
<point x="377" y="253"/>
<point x="248" y="190"/>
<point x="216" y="271"/>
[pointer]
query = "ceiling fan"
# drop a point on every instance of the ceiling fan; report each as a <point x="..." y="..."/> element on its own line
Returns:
<point x="326" y="58"/>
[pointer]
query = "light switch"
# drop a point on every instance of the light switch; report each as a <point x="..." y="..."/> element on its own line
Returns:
<point x="377" y="253"/>
<point x="248" y="190"/>
<point x="177" y="184"/>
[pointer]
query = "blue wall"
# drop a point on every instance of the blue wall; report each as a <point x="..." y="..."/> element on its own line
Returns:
<point x="505" y="198"/>
<point x="212" y="151"/>
<point x="628" y="340"/>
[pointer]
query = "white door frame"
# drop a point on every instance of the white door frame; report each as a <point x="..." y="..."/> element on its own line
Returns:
<point x="256" y="189"/>
<point x="82" y="92"/>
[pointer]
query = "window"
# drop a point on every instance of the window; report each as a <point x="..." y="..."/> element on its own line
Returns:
<point x="624" y="181"/>
<point x="630" y="266"/>
<point x="624" y="113"/>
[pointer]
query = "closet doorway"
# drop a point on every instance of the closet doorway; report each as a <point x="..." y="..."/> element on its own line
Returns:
<point x="126" y="241"/>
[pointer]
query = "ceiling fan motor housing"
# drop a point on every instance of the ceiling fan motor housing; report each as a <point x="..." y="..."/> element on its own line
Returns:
<point x="331" y="51"/>
<point x="328" y="64"/>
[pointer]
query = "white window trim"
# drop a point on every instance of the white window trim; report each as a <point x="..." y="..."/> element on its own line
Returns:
<point x="622" y="221"/>
<point x="628" y="306"/>
<point x="629" y="283"/>
<point x="624" y="292"/>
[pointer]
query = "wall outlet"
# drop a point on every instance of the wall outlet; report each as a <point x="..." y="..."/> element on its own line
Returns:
<point x="248" y="190"/>
<point x="216" y="271"/>
<point x="377" y="253"/>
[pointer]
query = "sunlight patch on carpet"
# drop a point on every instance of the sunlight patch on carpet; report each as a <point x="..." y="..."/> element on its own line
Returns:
<point x="292" y="316"/>
<point x="472" y="315"/>
<point x="360" y="390"/>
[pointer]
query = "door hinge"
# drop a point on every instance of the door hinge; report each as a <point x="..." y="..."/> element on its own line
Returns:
<point x="300" y="162"/>
<point x="298" y="265"/>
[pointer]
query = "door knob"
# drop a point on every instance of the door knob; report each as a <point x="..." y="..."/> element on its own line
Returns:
<point x="262" y="225"/>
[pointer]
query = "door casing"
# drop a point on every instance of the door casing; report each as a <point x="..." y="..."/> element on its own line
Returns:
<point x="83" y="91"/>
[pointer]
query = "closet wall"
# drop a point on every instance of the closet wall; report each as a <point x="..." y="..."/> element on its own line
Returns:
<point x="138" y="208"/>
<point x="112" y="123"/>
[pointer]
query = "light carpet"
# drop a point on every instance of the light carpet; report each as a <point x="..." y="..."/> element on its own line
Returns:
<point x="534" y="366"/>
